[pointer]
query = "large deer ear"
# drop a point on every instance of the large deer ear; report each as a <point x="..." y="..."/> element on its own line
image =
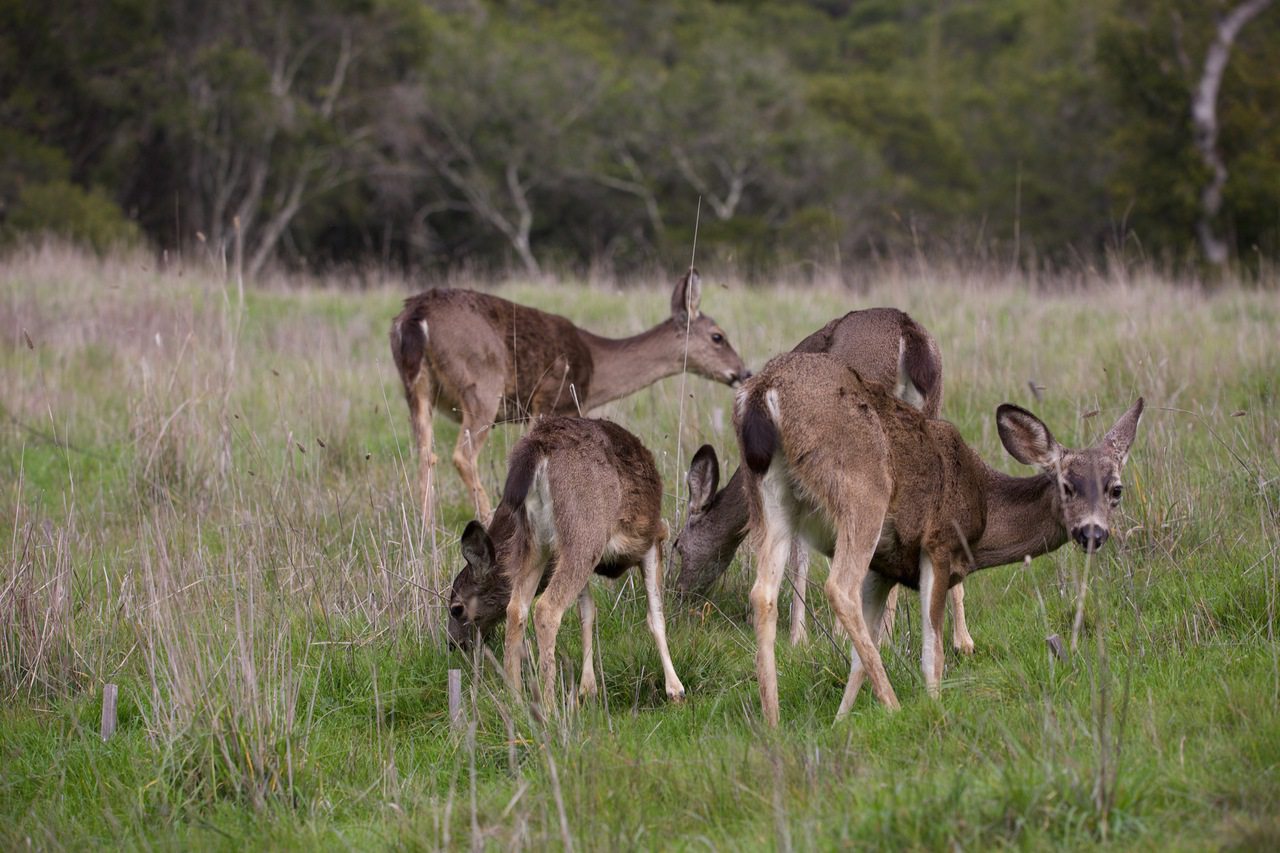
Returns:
<point x="1027" y="438"/>
<point x="703" y="478"/>
<point x="477" y="550"/>
<point x="1120" y="437"/>
<point x="686" y="298"/>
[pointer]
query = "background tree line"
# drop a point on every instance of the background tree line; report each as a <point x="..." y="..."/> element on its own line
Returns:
<point x="432" y="134"/>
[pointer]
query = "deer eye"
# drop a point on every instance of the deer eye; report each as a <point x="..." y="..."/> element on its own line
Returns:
<point x="717" y="338"/>
<point x="457" y="611"/>
<point x="1116" y="492"/>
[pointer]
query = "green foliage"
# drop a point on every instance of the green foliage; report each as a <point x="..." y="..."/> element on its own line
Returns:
<point x="1152" y="53"/>
<point x="433" y="135"/>
<point x="64" y="209"/>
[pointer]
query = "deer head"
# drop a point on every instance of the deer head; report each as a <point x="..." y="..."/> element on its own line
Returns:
<point x="708" y="349"/>
<point x="478" y="600"/>
<point x="714" y="527"/>
<point x="1088" y="480"/>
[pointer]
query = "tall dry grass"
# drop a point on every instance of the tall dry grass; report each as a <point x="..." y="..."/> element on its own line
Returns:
<point x="211" y="506"/>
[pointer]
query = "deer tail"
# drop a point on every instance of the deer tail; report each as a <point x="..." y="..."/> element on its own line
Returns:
<point x="922" y="365"/>
<point x="408" y="344"/>
<point x="758" y="434"/>
<point x="520" y="472"/>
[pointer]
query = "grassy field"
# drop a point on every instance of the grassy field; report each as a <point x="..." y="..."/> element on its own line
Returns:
<point x="211" y="506"/>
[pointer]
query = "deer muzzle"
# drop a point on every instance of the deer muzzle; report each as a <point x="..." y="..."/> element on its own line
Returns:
<point x="1090" y="537"/>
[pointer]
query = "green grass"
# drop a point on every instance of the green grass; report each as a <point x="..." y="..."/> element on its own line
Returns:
<point x="271" y="614"/>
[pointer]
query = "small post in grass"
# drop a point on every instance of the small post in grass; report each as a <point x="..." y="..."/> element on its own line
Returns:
<point x="109" y="695"/>
<point x="456" y="721"/>
<point x="1056" y="647"/>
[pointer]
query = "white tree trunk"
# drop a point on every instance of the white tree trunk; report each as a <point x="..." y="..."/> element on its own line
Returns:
<point x="1204" y="120"/>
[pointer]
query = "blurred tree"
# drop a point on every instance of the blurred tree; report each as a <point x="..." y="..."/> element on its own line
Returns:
<point x="1155" y="53"/>
<point x="500" y="114"/>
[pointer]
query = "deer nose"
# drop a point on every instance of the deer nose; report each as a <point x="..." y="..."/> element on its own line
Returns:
<point x="459" y="643"/>
<point x="1091" y="537"/>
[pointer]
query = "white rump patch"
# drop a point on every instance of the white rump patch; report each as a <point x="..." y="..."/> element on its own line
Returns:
<point x="771" y="403"/>
<point x="905" y="390"/>
<point x="539" y="510"/>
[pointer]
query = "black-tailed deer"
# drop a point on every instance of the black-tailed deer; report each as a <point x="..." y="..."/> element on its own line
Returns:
<point x="485" y="360"/>
<point x="883" y="345"/>
<point x="582" y="496"/>
<point x="895" y="498"/>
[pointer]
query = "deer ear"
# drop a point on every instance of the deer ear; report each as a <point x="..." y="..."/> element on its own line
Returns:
<point x="477" y="550"/>
<point x="1120" y="437"/>
<point x="1026" y="437"/>
<point x="703" y="478"/>
<point x="686" y="298"/>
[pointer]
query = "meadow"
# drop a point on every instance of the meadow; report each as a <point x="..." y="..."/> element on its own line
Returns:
<point x="206" y="497"/>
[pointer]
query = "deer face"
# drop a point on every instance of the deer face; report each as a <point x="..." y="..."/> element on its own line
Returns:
<point x="712" y="531"/>
<point x="1088" y="480"/>
<point x="709" y="352"/>
<point x="478" y="600"/>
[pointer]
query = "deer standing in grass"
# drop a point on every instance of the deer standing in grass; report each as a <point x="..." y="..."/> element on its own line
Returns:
<point x="485" y="360"/>
<point x="883" y="345"/>
<point x="582" y="496"/>
<point x="895" y="498"/>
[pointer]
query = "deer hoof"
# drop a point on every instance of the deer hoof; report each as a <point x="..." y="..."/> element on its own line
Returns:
<point x="964" y="645"/>
<point x="676" y="696"/>
<point x="588" y="690"/>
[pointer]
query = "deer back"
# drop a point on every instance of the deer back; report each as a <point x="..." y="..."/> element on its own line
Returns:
<point x="469" y="338"/>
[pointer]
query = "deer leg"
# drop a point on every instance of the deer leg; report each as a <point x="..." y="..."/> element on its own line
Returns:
<point x="800" y="561"/>
<point x="652" y="568"/>
<point x="419" y="395"/>
<point x="933" y="607"/>
<point x="959" y="630"/>
<point x="572" y="573"/>
<point x="587" y="612"/>
<point x="479" y="408"/>
<point x="771" y="560"/>
<point x="849" y="567"/>
<point x="890" y="611"/>
<point x="876" y="592"/>
<point x="522" y="592"/>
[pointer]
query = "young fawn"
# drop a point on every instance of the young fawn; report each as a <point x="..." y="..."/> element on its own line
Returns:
<point x="883" y="345"/>
<point x="484" y="360"/>
<point x="895" y="498"/>
<point x="582" y="497"/>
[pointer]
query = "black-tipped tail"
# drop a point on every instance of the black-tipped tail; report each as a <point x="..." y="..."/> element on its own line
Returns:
<point x="520" y="470"/>
<point x="921" y="365"/>
<point x="408" y="345"/>
<point x="759" y="436"/>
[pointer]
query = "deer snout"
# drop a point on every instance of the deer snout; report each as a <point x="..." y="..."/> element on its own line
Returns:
<point x="1090" y="537"/>
<point x="736" y="379"/>
<point x="460" y="639"/>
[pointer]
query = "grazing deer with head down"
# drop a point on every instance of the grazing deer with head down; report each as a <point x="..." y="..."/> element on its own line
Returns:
<point x="582" y="497"/>
<point x="895" y="498"/>
<point x="883" y="345"/>
<point x="486" y="360"/>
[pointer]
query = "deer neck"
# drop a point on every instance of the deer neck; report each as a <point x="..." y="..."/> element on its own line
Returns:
<point x="622" y="366"/>
<point x="1022" y="519"/>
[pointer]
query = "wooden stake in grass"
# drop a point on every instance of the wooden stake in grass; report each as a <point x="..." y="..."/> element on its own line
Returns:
<point x="456" y="717"/>
<point x="109" y="695"/>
